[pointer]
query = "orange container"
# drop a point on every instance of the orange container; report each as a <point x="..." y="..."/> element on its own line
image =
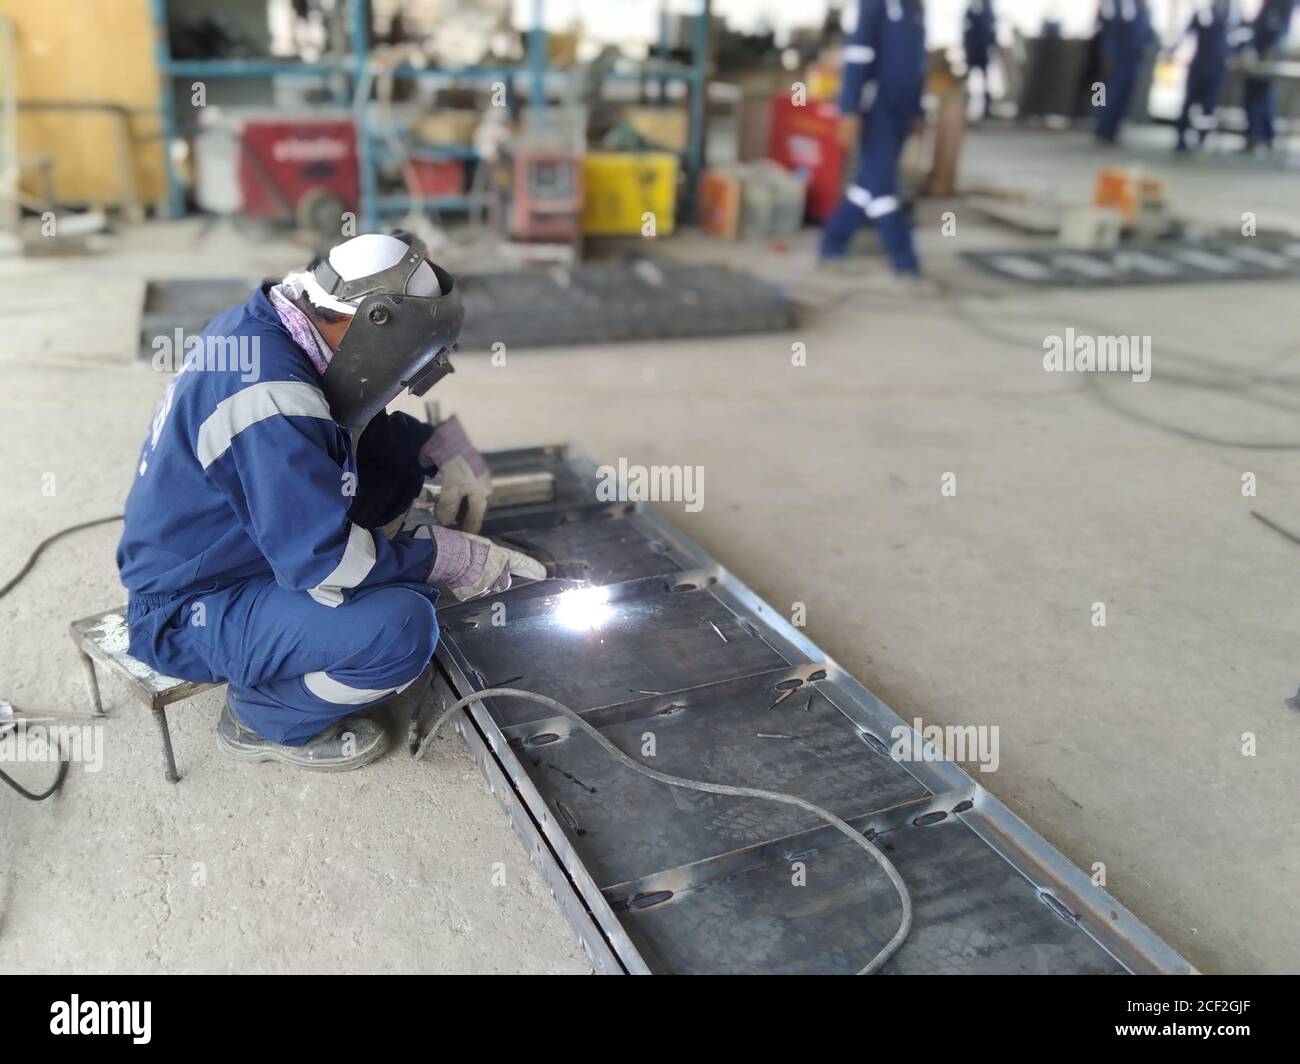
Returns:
<point x="1128" y="192"/>
<point x="720" y="203"/>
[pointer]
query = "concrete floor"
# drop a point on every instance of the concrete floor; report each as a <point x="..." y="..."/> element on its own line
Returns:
<point x="1121" y="745"/>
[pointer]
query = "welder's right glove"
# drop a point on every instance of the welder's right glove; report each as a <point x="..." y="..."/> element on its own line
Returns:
<point x="469" y="566"/>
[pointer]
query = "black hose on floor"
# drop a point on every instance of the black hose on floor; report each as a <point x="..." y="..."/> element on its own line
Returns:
<point x="14" y="581"/>
<point x="40" y="548"/>
<point x="34" y="796"/>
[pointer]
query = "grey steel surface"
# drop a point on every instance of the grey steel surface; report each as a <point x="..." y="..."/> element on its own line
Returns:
<point x="187" y="304"/>
<point x="608" y="301"/>
<point x="657" y="879"/>
<point x="594" y="943"/>
<point x="1161" y="262"/>
<point x="600" y="302"/>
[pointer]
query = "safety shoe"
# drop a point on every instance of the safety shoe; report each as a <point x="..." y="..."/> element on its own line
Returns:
<point x="346" y="744"/>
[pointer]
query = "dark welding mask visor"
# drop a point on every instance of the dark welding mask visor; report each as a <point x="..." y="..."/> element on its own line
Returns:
<point x="395" y="341"/>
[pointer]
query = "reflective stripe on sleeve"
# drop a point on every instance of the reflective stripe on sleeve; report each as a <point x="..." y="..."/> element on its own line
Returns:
<point x="256" y="403"/>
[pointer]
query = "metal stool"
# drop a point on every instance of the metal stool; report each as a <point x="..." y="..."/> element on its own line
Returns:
<point x="103" y="638"/>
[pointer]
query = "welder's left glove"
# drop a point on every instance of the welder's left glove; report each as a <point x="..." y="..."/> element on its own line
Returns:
<point x="462" y="473"/>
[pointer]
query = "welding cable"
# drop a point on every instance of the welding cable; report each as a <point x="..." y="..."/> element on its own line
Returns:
<point x="951" y="294"/>
<point x="904" y="925"/>
<point x="1099" y="392"/>
<point x="35" y="796"/>
<point x="40" y="796"/>
<point x="40" y="547"/>
<point x="1096" y="389"/>
<point x="1284" y="533"/>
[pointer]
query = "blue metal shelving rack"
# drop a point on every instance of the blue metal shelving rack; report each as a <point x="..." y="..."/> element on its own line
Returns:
<point x="352" y="69"/>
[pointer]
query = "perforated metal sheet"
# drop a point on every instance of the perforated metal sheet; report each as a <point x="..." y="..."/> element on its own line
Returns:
<point x="693" y="674"/>
<point x="601" y="302"/>
<point x="604" y="302"/>
<point x="1161" y="262"/>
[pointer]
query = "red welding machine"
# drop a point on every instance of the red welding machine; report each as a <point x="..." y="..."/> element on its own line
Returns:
<point x="269" y="165"/>
<point x="287" y="161"/>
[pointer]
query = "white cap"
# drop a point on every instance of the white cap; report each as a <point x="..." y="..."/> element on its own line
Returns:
<point x="360" y="257"/>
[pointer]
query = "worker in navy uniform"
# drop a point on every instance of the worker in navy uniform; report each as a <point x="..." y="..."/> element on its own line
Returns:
<point x="880" y="107"/>
<point x="1268" y="32"/>
<point x="1052" y="26"/>
<point x="978" y="38"/>
<point x="261" y="543"/>
<point x="1126" y="34"/>
<point x="1206" y="73"/>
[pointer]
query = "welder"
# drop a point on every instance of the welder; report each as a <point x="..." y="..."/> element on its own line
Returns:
<point x="1126" y="35"/>
<point x="257" y="542"/>
<point x="1268" y="33"/>
<point x="880" y="107"/>
<point x="1206" y="73"/>
<point x="978" y="38"/>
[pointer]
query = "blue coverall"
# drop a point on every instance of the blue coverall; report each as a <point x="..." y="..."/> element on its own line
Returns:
<point x="1268" y="33"/>
<point x="1126" y="34"/>
<point x="884" y="75"/>
<point x="979" y="35"/>
<point x="1206" y="73"/>
<point x="251" y="551"/>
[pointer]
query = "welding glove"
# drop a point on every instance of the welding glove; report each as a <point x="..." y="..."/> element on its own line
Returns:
<point x="469" y="566"/>
<point x="462" y="473"/>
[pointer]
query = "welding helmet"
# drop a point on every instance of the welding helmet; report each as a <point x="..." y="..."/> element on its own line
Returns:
<point x="406" y="319"/>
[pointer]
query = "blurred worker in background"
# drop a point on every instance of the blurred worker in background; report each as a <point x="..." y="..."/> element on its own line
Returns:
<point x="1206" y="73"/>
<point x="1268" y="34"/>
<point x="1052" y="20"/>
<point x="1126" y="34"/>
<point x="978" y="39"/>
<point x="880" y="107"/>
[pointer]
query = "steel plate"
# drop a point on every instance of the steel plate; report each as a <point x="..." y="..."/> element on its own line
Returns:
<point x="687" y="671"/>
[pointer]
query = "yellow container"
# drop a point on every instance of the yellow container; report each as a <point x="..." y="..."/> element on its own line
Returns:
<point x="626" y="193"/>
<point x="823" y="81"/>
